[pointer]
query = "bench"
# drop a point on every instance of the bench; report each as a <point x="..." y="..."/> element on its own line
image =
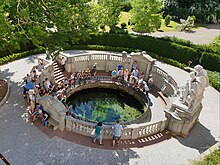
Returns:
<point x="54" y="123"/>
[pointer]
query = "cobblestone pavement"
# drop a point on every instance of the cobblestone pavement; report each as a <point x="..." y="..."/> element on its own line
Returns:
<point x="203" y="35"/>
<point x="23" y="144"/>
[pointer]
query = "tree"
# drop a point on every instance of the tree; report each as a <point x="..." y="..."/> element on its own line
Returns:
<point x="109" y="12"/>
<point x="50" y="24"/>
<point x="205" y="11"/>
<point x="167" y="20"/>
<point x="146" y="15"/>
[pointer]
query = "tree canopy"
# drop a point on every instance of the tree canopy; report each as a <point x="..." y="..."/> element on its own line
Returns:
<point x="146" y="15"/>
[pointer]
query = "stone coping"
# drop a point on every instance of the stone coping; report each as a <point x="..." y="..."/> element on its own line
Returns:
<point x="7" y="93"/>
<point x="137" y="94"/>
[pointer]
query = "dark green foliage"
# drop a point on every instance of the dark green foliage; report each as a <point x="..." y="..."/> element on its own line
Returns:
<point x="126" y="6"/>
<point x="17" y="56"/>
<point x="211" y="159"/>
<point x="117" y="30"/>
<point x="214" y="79"/>
<point x="167" y="20"/>
<point x="211" y="61"/>
<point x="205" y="11"/>
<point x="161" y="47"/>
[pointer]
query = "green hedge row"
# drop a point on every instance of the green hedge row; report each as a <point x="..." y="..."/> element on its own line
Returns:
<point x="168" y="49"/>
<point x="214" y="77"/>
<point x="17" y="56"/>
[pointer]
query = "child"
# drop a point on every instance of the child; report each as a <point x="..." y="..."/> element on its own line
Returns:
<point x="98" y="131"/>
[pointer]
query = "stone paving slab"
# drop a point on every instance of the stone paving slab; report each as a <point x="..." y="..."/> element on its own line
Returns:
<point x="24" y="144"/>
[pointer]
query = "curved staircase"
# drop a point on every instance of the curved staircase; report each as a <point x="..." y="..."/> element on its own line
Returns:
<point x="58" y="74"/>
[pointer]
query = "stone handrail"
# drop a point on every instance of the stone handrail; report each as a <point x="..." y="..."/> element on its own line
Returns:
<point x="107" y="82"/>
<point x="164" y="81"/>
<point x="132" y="131"/>
<point x="109" y="61"/>
<point x="48" y="71"/>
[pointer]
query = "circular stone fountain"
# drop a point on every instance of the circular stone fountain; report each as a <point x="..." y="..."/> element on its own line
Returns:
<point x="106" y="105"/>
<point x="107" y="102"/>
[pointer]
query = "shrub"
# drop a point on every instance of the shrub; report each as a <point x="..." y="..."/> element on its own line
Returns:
<point x="167" y="20"/>
<point x="161" y="47"/>
<point x="210" y="61"/>
<point x="187" y="24"/>
<point x="117" y="30"/>
<point x="17" y="56"/>
<point x="214" y="79"/>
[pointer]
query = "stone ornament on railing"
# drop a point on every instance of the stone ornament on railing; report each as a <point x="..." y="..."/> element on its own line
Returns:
<point x="192" y="93"/>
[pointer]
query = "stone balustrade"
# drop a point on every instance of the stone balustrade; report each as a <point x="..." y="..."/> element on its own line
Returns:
<point x="132" y="131"/>
<point x="109" y="61"/>
<point x="163" y="81"/>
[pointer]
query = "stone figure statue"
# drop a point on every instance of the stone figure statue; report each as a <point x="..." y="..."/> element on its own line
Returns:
<point x="192" y="92"/>
<point x="124" y="56"/>
<point x="185" y="89"/>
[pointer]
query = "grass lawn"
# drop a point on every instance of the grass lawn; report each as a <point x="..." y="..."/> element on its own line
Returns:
<point x="211" y="159"/>
<point x="124" y="17"/>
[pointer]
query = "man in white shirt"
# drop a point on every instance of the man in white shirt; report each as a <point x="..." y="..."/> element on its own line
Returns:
<point x="117" y="129"/>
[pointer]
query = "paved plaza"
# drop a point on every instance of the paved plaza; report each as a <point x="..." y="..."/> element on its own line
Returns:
<point x="24" y="144"/>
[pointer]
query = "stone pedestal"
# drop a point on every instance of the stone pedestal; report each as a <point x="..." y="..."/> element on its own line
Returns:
<point x="181" y="119"/>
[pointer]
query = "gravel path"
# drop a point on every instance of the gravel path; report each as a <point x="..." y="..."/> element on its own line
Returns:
<point x="204" y="35"/>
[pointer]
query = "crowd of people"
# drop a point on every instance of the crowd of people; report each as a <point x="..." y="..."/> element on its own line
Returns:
<point x="135" y="78"/>
<point x="33" y="89"/>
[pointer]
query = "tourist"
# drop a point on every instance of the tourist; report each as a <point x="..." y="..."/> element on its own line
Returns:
<point x="126" y="73"/>
<point x="94" y="70"/>
<point x="117" y="129"/>
<point x="136" y="72"/>
<point x="119" y="67"/>
<point x="44" y="119"/>
<point x="114" y="74"/>
<point x="146" y="89"/>
<point x="63" y="62"/>
<point x="36" y="114"/>
<point x="134" y="66"/>
<point x="32" y="99"/>
<point x="40" y="66"/>
<point x="120" y="74"/>
<point x="141" y="75"/>
<point x="98" y="133"/>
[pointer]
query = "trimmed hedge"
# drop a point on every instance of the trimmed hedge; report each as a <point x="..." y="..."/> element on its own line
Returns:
<point x="160" y="46"/>
<point x="17" y="56"/>
<point x="210" y="61"/>
<point x="214" y="77"/>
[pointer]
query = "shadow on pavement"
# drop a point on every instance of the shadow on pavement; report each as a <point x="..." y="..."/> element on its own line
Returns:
<point x="199" y="138"/>
<point x="87" y="141"/>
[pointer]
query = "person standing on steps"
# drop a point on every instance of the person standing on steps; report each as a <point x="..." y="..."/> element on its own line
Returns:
<point x="98" y="133"/>
<point x="117" y="129"/>
<point x="63" y="62"/>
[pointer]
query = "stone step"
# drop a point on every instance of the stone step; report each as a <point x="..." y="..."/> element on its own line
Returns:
<point x="55" y="69"/>
<point x="57" y="72"/>
<point x="58" y="77"/>
<point x="55" y="65"/>
<point x="59" y="80"/>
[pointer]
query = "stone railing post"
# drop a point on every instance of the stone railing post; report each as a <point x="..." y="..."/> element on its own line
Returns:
<point x="62" y="120"/>
<point x="135" y="130"/>
<point x="107" y="63"/>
